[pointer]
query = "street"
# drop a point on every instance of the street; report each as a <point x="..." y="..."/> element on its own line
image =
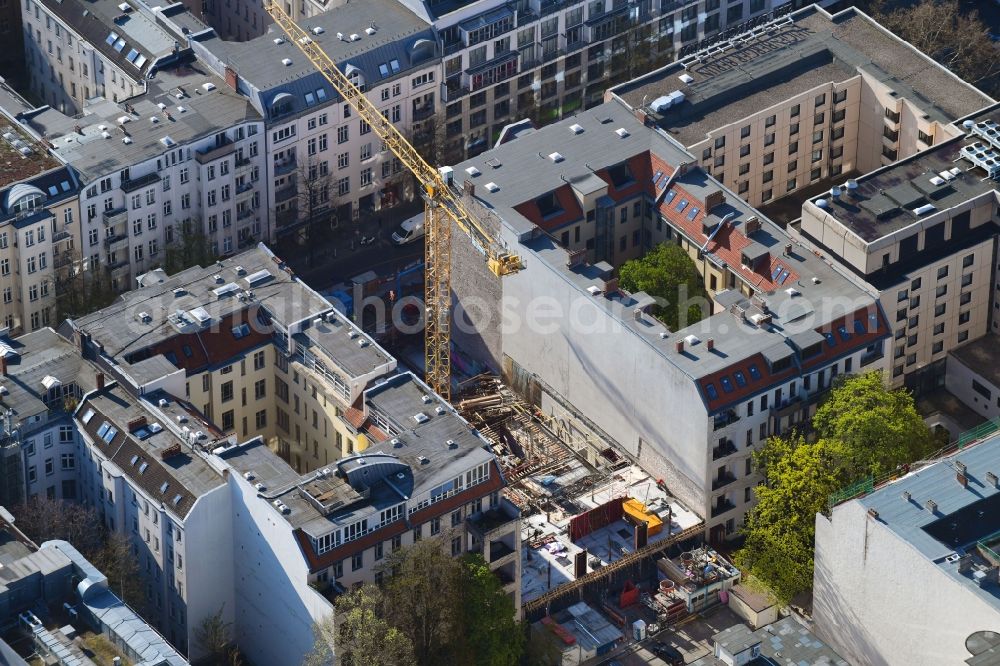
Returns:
<point x="341" y="256"/>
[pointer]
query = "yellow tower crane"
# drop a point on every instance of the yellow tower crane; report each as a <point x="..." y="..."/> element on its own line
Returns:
<point x="442" y="207"/>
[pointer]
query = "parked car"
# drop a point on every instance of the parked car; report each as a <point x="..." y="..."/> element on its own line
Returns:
<point x="671" y="655"/>
<point x="409" y="231"/>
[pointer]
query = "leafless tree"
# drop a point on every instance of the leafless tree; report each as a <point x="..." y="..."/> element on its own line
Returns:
<point x="958" y="40"/>
<point x="316" y="205"/>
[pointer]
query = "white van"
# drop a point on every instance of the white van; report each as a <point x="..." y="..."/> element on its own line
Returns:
<point x="409" y="231"/>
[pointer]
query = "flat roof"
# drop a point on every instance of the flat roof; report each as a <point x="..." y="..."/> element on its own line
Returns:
<point x="961" y="516"/>
<point x="783" y="642"/>
<point x="885" y="199"/>
<point x="146" y="318"/>
<point x="806" y="49"/>
<point x="21" y="157"/>
<point x="982" y="356"/>
<point x="421" y="453"/>
<point x="400" y="37"/>
<point x="80" y="142"/>
<point x="802" y="290"/>
<point x="37" y="356"/>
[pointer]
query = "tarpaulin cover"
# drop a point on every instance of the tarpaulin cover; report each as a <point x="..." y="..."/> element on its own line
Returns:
<point x="595" y="519"/>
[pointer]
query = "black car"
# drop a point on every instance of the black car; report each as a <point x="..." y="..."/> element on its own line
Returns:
<point x="669" y="654"/>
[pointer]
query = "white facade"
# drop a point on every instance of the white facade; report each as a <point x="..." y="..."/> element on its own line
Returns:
<point x="878" y="600"/>
<point x="212" y="185"/>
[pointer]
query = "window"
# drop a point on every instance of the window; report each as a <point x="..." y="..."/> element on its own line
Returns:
<point x="942" y="273"/>
<point x="343" y="134"/>
<point x="226" y="389"/>
<point x="260" y="389"/>
<point x="820" y="100"/>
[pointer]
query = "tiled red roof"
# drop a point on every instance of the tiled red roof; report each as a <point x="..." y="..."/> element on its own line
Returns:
<point x="642" y="178"/>
<point x="571" y="210"/>
<point x="842" y="347"/>
<point x="195" y="351"/>
<point x="355" y="417"/>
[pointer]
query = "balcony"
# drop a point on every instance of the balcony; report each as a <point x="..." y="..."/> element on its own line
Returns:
<point x="727" y="418"/>
<point x="117" y="263"/>
<point x="500" y="519"/>
<point x="723" y="480"/>
<point x="129" y="186"/>
<point x="725" y="448"/>
<point x="722" y="506"/>
<point x="281" y="168"/>
<point x="61" y="236"/>
<point x="871" y="356"/>
<point x="115" y="215"/>
<point x="211" y="154"/>
<point x="115" y="239"/>
<point x="245" y="214"/>
<point x="284" y="194"/>
<point x="245" y="187"/>
<point x="243" y="162"/>
<point x="787" y="407"/>
<point x="499" y="550"/>
<point x="62" y="260"/>
<point x="422" y="113"/>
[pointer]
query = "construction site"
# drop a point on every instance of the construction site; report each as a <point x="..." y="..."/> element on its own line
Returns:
<point x="607" y="533"/>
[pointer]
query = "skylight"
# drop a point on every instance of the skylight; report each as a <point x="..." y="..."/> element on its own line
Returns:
<point x="727" y="384"/>
<point x="394" y="65"/>
<point x="241" y="331"/>
<point x="111" y="38"/>
<point x="383" y="69"/>
<point x="132" y="56"/>
<point x="692" y="213"/>
<point x="110" y="434"/>
<point x="741" y="379"/>
<point x="119" y="45"/>
<point x="754" y="372"/>
<point x="682" y="205"/>
<point x="712" y="393"/>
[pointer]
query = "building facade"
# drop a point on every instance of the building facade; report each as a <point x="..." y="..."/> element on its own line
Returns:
<point x="582" y="196"/>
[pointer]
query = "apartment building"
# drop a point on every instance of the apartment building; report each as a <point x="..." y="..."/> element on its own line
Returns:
<point x="184" y="158"/>
<point x="547" y="59"/>
<point x="42" y="378"/>
<point x="972" y="375"/>
<point x="807" y="99"/>
<point x="76" y="50"/>
<point x="923" y="232"/>
<point x="579" y="197"/>
<point x="425" y="474"/>
<point x="226" y="397"/>
<point x="323" y="161"/>
<point x="52" y="593"/>
<point x="924" y="541"/>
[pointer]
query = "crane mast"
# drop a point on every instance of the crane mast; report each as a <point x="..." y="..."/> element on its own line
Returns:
<point x="442" y="207"/>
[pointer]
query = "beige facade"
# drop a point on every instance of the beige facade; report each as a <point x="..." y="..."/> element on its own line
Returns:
<point x="38" y="249"/>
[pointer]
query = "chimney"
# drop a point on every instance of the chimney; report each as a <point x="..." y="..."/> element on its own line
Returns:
<point x="991" y="479"/>
<point x="751" y="226"/>
<point x="100" y="381"/>
<point x="962" y="479"/>
<point x="611" y="286"/>
<point x="713" y="200"/>
<point x="710" y="344"/>
<point x="873" y="512"/>
<point x="679" y="346"/>
<point x="231" y="78"/>
<point x="931" y="506"/>
<point x="469" y="188"/>
<point x="3" y="365"/>
<point x="642" y="116"/>
<point x="682" y="169"/>
<point x="575" y="258"/>
<point x="788" y="249"/>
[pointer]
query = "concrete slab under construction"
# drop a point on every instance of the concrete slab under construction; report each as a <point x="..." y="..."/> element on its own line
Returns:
<point x="549" y="552"/>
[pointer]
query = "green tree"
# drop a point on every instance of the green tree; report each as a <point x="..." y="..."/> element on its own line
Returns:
<point x="423" y="595"/>
<point x="667" y="273"/>
<point x="780" y="529"/>
<point x="875" y="429"/>
<point x="492" y="635"/>
<point x="357" y="634"/>
<point x="213" y="635"/>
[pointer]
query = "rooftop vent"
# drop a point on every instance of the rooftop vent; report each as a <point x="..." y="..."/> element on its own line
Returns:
<point x="369" y="31"/>
<point x="924" y="210"/>
<point x="396" y="442"/>
<point x="127" y="140"/>
<point x="427" y="399"/>
<point x="821" y="203"/>
<point x="472" y="171"/>
<point x="355" y="36"/>
<point x="249" y="476"/>
<point x="906" y="495"/>
<point x="492" y="187"/>
<point x="167" y="141"/>
<point x="576" y="128"/>
<point x="106" y="135"/>
<point x="621" y="132"/>
<point x="594" y="290"/>
<point x="279" y="40"/>
<point x="260" y="486"/>
<point x="439" y="409"/>
<point x="686" y="78"/>
<point x="208" y="86"/>
<point x="420" y="417"/>
<point x="452" y="444"/>
<point x="318" y="30"/>
<point x="692" y="339"/>
<point x="556" y="157"/>
<point x="991" y="479"/>
<point x="181" y="109"/>
<point x="286" y="61"/>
